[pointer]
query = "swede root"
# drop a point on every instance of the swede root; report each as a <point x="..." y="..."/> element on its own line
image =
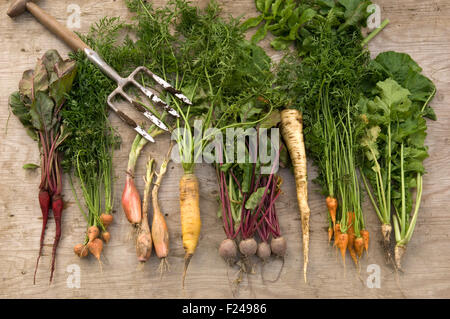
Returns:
<point x="292" y="132"/>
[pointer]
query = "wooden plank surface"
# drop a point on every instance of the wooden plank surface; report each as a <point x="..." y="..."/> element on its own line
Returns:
<point x="419" y="28"/>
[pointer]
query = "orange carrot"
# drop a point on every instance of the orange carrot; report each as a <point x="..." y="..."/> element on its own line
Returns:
<point x="96" y="247"/>
<point x="351" y="246"/>
<point x="332" y="208"/>
<point x="337" y="232"/>
<point x="342" y="245"/>
<point x="330" y="234"/>
<point x="106" y="236"/>
<point x="351" y="237"/>
<point x="365" y="236"/>
<point x="359" y="246"/>
<point x="93" y="233"/>
<point x="351" y="216"/>
<point x="106" y="219"/>
<point x="80" y="250"/>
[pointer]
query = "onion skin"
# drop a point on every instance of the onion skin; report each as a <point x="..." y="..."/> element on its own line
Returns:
<point x="131" y="202"/>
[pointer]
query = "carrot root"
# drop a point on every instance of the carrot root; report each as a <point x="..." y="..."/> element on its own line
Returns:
<point x="332" y="208"/>
<point x="190" y="216"/>
<point x="359" y="246"/>
<point x="342" y="245"/>
<point x="106" y="219"/>
<point x="366" y="237"/>
<point x="337" y="233"/>
<point x="187" y="260"/>
<point x="330" y="234"/>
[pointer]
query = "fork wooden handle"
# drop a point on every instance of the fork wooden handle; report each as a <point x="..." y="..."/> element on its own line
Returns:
<point x="69" y="37"/>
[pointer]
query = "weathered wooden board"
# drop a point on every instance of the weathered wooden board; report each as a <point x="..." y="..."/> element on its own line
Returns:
<point x="417" y="27"/>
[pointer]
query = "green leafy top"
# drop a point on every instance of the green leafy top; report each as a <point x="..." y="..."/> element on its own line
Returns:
<point x="296" y="21"/>
<point x="393" y="121"/>
<point x="403" y="69"/>
<point x="206" y="56"/>
<point x="42" y="92"/>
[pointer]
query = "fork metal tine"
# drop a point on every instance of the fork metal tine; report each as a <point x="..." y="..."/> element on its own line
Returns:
<point x="154" y="98"/>
<point x="126" y="118"/>
<point x="165" y="85"/>
<point x="154" y="119"/>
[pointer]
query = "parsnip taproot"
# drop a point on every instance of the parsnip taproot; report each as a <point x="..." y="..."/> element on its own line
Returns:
<point x="292" y="132"/>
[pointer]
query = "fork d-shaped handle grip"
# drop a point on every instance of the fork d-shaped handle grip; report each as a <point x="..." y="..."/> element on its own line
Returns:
<point x="69" y="37"/>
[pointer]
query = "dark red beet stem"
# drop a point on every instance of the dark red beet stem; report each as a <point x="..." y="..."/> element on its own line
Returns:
<point x="57" y="207"/>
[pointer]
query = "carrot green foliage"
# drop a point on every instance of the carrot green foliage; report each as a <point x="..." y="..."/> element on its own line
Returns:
<point x="88" y="151"/>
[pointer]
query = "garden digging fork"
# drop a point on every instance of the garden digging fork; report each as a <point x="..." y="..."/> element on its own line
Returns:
<point x="75" y="43"/>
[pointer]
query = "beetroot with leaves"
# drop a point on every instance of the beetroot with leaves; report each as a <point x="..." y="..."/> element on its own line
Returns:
<point x="37" y="104"/>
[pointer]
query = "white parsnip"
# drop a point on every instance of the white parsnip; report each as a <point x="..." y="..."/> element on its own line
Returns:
<point x="292" y="132"/>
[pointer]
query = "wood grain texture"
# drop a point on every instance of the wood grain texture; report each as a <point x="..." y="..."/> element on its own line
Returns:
<point x="419" y="28"/>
